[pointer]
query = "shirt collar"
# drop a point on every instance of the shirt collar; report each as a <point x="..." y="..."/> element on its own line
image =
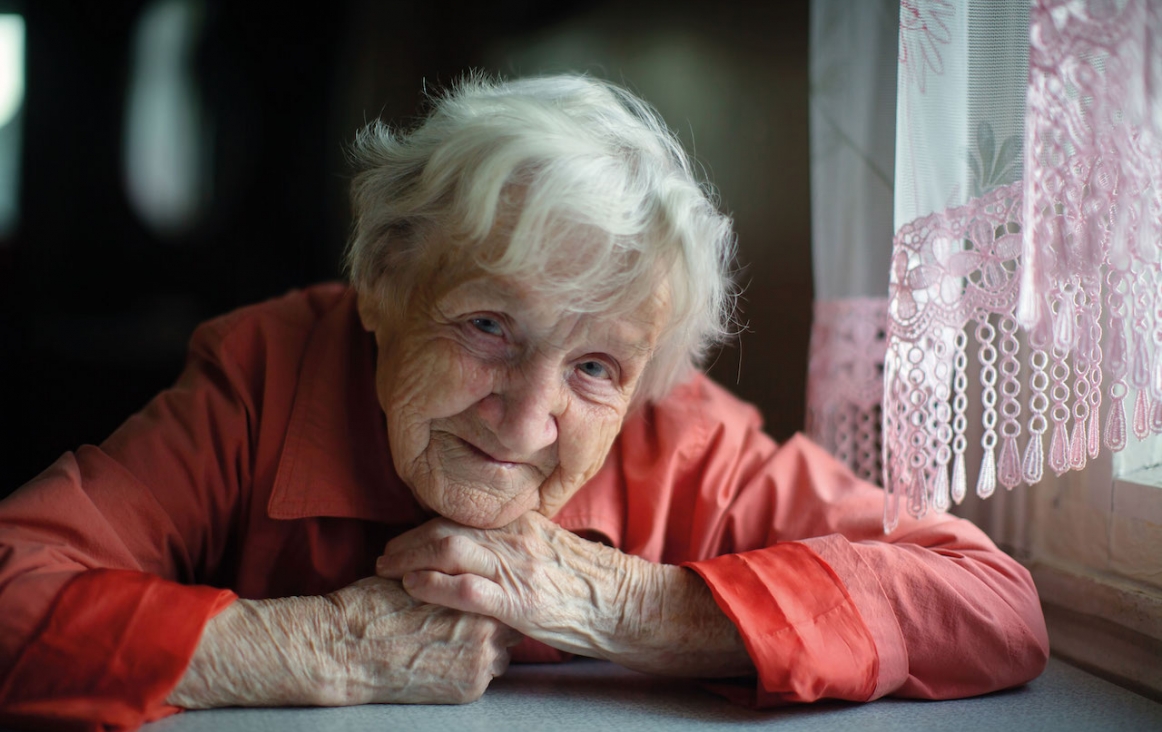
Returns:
<point x="335" y="459"/>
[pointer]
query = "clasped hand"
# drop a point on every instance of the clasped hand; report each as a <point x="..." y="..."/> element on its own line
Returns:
<point x="531" y="575"/>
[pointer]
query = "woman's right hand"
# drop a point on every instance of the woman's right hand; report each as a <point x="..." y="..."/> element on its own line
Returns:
<point x="367" y="643"/>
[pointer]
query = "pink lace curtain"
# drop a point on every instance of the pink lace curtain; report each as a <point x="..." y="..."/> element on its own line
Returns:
<point x="1014" y="322"/>
<point x="1025" y="270"/>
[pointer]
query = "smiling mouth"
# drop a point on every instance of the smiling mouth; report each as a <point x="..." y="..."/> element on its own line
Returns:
<point x="488" y="456"/>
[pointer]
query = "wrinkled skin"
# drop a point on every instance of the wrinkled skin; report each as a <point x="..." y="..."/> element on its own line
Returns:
<point x="531" y="575"/>
<point x="499" y="401"/>
<point x="574" y="595"/>
<point x="367" y="643"/>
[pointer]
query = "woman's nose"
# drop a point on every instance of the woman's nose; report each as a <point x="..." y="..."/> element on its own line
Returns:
<point x="523" y="413"/>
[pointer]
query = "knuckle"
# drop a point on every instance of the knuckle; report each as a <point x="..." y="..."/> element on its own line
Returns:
<point x="445" y="544"/>
<point x="455" y="544"/>
<point x="439" y="529"/>
<point x="455" y="548"/>
<point x="471" y="590"/>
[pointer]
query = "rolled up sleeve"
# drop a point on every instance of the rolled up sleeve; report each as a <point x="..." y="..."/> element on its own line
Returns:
<point x="113" y="646"/>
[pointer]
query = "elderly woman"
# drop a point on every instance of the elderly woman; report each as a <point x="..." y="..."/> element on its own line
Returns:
<point x="493" y="444"/>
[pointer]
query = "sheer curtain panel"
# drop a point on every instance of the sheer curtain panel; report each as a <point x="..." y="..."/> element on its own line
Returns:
<point x="853" y="127"/>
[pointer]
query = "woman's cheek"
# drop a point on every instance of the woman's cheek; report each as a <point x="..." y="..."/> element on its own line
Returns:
<point x="477" y="374"/>
<point x="454" y="381"/>
<point x="586" y="442"/>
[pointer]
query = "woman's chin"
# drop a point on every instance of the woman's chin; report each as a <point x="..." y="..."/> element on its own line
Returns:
<point x="481" y="510"/>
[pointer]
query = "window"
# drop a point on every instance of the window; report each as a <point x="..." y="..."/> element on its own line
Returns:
<point x="166" y="156"/>
<point x="11" y="119"/>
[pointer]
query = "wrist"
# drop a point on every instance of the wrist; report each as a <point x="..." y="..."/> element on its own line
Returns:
<point x="674" y="627"/>
<point x="640" y="635"/>
<point x="264" y="653"/>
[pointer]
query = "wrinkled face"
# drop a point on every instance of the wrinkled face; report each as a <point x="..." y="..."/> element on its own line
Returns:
<point x="500" y="402"/>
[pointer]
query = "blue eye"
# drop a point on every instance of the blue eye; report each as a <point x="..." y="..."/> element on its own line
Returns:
<point x="487" y="325"/>
<point x="594" y="369"/>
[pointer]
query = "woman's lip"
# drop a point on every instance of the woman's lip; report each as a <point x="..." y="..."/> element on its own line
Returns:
<point x="489" y="456"/>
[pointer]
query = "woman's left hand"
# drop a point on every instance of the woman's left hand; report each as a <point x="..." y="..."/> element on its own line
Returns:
<point x="575" y="595"/>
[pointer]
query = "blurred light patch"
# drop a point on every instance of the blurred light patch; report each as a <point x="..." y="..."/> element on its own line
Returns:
<point x="166" y="156"/>
<point x="11" y="66"/>
<point x="11" y="120"/>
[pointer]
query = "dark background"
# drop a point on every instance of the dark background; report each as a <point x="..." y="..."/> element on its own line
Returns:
<point x="96" y="303"/>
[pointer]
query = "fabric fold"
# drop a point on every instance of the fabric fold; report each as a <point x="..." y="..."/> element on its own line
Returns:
<point x="114" y="646"/>
<point x="800" y="626"/>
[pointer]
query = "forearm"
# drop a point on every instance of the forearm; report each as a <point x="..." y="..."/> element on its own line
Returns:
<point x="675" y="628"/>
<point x="366" y="643"/>
<point x="264" y="653"/>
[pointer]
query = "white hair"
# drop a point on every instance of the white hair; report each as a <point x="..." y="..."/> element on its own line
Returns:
<point x="596" y="200"/>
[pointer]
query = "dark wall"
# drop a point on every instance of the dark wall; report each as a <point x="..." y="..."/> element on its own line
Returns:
<point x="96" y="306"/>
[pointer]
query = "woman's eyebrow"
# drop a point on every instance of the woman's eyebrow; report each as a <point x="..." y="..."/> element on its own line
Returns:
<point x="630" y="337"/>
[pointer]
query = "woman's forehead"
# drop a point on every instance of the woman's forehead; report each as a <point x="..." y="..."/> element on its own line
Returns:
<point x="633" y="321"/>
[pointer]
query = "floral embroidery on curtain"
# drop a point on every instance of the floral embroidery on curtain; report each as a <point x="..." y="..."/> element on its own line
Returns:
<point x="1040" y="278"/>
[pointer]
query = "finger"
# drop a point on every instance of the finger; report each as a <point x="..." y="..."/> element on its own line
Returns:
<point x="425" y="533"/>
<point x="553" y="498"/>
<point x="453" y="554"/>
<point x="468" y="593"/>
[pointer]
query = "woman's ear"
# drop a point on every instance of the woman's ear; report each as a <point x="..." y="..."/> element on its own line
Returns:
<point x="370" y="310"/>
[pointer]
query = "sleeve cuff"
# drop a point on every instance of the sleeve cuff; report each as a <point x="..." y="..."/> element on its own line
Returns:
<point x="112" y="648"/>
<point x="862" y="583"/>
<point x="800" y="625"/>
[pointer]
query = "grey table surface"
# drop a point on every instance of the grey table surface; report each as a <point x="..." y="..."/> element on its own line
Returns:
<point x="593" y="695"/>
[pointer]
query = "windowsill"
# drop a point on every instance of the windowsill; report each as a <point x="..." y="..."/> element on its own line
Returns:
<point x="1103" y="624"/>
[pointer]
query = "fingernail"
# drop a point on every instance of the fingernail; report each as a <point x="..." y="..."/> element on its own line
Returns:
<point x="380" y="563"/>
<point x="409" y="579"/>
